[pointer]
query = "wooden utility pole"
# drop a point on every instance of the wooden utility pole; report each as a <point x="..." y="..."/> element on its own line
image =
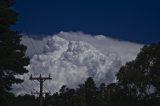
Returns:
<point x="41" y="80"/>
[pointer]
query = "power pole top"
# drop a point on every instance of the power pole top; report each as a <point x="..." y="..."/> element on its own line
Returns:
<point x="41" y="80"/>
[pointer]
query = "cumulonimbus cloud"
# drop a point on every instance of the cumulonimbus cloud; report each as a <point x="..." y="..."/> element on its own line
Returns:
<point x="71" y="57"/>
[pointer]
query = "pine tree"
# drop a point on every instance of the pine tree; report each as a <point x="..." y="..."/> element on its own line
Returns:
<point x="12" y="53"/>
<point x="90" y="92"/>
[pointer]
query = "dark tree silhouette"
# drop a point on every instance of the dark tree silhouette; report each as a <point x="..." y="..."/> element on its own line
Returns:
<point x="12" y="53"/>
<point x="141" y="78"/>
<point x="90" y="92"/>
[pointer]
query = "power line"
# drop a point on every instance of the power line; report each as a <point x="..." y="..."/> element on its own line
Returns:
<point x="23" y="88"/>
<point x="25" y="31"/>
<point x="40" y="78"/>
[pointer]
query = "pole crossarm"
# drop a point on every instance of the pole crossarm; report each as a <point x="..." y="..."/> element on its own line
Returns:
<point x="40" y="77"/>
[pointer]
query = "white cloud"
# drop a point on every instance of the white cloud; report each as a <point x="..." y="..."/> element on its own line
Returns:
<point x="71" y="57"/>
<point x="34" y="46"/>
<point x="126" y="50"/>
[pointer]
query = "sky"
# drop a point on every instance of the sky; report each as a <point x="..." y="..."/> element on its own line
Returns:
<point x="131" y="20"/>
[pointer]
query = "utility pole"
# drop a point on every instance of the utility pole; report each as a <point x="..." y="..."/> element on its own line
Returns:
<point x="109" y="99"/>
<point x="41" y="80"/>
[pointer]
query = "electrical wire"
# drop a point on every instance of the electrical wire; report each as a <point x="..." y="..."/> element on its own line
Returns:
<point x="32" y="45"/>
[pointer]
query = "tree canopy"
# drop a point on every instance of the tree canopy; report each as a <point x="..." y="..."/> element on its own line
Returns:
<point x="141" y="78"/>
<point x="12" y="52"/>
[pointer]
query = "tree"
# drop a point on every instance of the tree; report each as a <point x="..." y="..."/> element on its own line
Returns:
<point x="80" y="98"/>
<point x="90" y="92"/>
<point x="101" y="95"/>
<point x="12" y="53"/>
<point x="25" y="100"/>
<point x="140" y="78"/>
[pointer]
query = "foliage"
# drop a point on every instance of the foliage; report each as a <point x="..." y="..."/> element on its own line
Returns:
<point x="86" y="95"/>
<point x="12" y="53"/>
<point x="139" y="79"/>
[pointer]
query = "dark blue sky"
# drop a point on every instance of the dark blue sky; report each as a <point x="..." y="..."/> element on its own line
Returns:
<point x="133" y="20"/>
